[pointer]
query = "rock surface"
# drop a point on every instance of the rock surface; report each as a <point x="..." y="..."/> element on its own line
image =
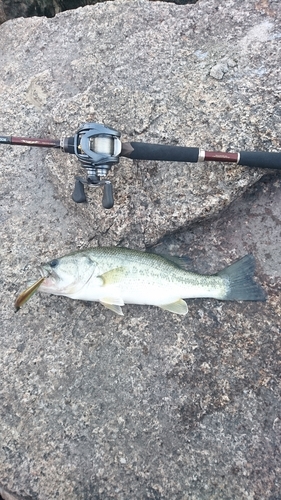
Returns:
<point x="10" y="9"/>
<point x="150" y="405"/>
<point x="201" y="75"/>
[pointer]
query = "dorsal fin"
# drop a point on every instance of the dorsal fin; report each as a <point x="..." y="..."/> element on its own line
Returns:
<point x="183" y="262"/>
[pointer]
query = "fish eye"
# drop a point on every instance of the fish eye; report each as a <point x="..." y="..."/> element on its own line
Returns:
<point x="54" y="263"/>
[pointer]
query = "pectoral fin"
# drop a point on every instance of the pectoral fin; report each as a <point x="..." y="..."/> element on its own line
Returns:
<point x="113" y="277"/>
<point x="178" y="307"/>
<point x="110" y="281"/>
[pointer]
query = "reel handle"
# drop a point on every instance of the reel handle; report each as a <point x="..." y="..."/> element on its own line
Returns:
<point x="78" y="194"/>
<point x="107" y="198"/>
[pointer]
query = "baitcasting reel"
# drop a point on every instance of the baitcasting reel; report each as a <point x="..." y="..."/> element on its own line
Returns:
<point x="98" y="148"/>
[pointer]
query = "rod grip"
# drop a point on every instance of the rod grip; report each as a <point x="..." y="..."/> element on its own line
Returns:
<point x="260" y="159"/>
<point x="161" y="152"/>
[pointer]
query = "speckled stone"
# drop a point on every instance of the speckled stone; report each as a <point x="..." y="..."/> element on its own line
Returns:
<point x="202" y="75"/>
<point x="149" y="405"/>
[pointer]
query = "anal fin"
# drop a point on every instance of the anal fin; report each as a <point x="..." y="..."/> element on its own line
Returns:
<point x="114" y="308"/>
<point x="114" y="304"/>
<point x="178" y="307"/>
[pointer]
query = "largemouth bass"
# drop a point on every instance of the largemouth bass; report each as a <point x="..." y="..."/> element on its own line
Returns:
<point x="116" y="276"/>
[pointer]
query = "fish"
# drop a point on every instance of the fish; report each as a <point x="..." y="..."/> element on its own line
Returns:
<point x="25" y="296"/>
<point x="115" y="276"/>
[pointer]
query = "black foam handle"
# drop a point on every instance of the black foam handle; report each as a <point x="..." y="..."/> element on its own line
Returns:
<point x="161" y="152"/>
<point x="260" y="159"/>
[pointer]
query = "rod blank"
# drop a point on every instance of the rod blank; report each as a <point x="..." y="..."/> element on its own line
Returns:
<point x="29" y="141"/>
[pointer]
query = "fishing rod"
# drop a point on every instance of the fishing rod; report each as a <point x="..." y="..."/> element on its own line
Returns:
<point x="98" y="148"/>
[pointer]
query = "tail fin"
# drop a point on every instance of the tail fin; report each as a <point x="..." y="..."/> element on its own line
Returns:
<point x="239" y="277"/>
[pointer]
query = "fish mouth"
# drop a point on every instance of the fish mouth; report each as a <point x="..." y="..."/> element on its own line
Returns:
<point x="45" y="273"/>
<point x="49" y="276"/>
<point x="50" y="279"/>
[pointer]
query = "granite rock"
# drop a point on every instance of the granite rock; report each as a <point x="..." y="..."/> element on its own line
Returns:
<point x="198" y="75"/>
<point x="50" y="8"/>
<point x="149" y="405"/>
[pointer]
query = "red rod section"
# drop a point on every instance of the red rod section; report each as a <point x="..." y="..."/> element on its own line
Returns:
<point x="43" y="143"/>
<point x="221" y="156"/>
